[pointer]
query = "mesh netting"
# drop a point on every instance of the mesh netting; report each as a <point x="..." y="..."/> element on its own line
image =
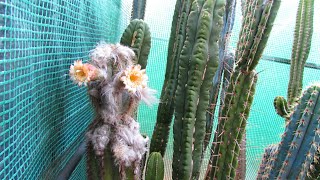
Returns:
<point x="43" y="115"/>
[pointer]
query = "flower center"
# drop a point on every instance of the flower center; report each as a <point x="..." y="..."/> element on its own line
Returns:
<point x="81" y="73"/>
<point x="135" y="78"/>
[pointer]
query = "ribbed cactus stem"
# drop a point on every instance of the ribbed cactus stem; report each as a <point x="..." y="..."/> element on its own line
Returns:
<point x="281" y="106"/>
<point x="137" y="37"/>
<point x="155" y="167"/>
<point x="197" y="65"/>
<point x="232" y="125"/>
<point x="166" y="107"/>
<point x="252" y="28"/>
<point x="101" y="167"/>
<point x="301" y="48"/>
<point x="138" y="9"/>
<point x="210" y="70"/>
<point x="268" y="157"/>
<point x="257" y="24"/>
<point x="300" y="139"/>
<point x="226" y="61"/>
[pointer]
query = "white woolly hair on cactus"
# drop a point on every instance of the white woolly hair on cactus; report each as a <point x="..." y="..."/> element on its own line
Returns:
<point x="119" y="55"/>
<point x="100" y="137"/>
<point x="115" y="86"/>
<point x="129" y="145"/>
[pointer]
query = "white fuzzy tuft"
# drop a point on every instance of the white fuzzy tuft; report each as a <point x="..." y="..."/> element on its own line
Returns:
<point x="129" y="145"/>
<point x="117" y="54"/>
<point x="100" y="138"/>
<point x="147" y="95"/>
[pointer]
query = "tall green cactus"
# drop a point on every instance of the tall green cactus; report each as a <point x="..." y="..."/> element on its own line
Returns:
<point x="137" y="36"/>
<point x="257" y="25"/>
<point x="155" y="167"/>
<point x="166" y="106"/>
<point x="300" y="140"/>
<point x="197" y="65"/>
<point x="300" y="52"/>
<point x="226" y="62"/>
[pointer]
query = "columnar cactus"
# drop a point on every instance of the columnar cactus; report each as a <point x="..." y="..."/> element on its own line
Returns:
<point x="300" y="141"/>
<point x="300" y="52"/>
<point x="197" y="65"/>
<point x="137" y="36"/>
<point x="138" y="9"/>
<point x="268" y="156"/>
<point x="226" y="63"/>
<point x="257" y="25"/>
<point x="155" y="167"/>
<point x="166" y="106"/>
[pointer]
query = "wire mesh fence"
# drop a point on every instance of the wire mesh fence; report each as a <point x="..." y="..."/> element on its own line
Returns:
<point x="43" y="115"/>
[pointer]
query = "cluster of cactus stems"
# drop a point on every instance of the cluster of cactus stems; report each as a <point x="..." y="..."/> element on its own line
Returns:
<point x="166" y="106"/>
<point x="198" y="63"/>
<point x="256" y="26"/>
<point x="116" y="149"/>
<point x="292" y="157"/>
<point x="226" y="63"/>
<point x="300" y="52"/>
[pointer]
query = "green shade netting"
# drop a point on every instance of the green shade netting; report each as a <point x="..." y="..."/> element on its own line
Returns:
<point x="43" y="115"/>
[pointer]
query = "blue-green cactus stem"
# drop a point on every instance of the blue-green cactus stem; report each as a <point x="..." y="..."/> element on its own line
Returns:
<point x="301" y="138"/>
<point x="301" y="48"/>
<point x="137" y="36"/>
<point x="268" y="156"/>
<point x="155" y="167"/>
<point x="166" y="107"/>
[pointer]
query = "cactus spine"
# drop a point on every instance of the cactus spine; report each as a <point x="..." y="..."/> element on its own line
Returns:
<point x="257" y="25"/>
<point x="155" y="167"/>
<point x="300" y="140"/>
<point x="166" y="106"/>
